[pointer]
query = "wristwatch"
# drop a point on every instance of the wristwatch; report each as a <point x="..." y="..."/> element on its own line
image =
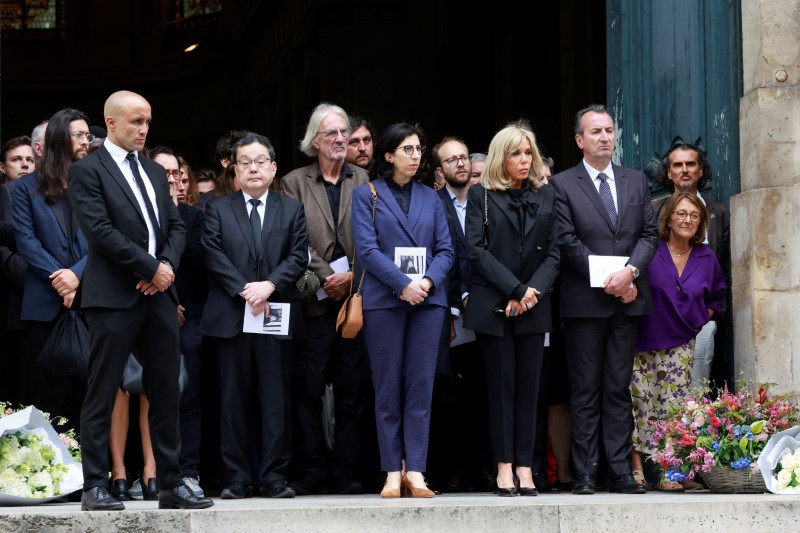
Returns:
<point x="634" y="271"/>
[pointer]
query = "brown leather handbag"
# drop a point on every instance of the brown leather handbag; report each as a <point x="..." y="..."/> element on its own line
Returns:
<point x="351" y="316"/>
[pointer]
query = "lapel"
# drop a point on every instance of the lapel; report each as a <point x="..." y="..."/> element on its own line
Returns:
<point x="385" y="196"/>
<point x="317" y="189"/>
<point x="271" y="213"/>
<point x="345" y="198"/>
<point x="111" y="166"/>
<point x="588" y="188"/>
<point x="621" y="183"/>
<point x="58" y="211"/>
<point x="239" y="210"/>
<point x="415" y="209"/>
<point x="501" y="200"/>
<point x="452" y="214"/>
<point x="693" y="263"/>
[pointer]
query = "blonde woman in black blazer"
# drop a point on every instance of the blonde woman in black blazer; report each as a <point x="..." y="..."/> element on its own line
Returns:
<point x="512" y="239"/>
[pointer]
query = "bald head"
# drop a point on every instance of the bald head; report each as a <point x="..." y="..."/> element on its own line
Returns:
<point x="128" y="119"/>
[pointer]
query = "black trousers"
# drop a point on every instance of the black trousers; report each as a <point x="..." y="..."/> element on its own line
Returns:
<point x="191" y="342"/>
<point x="600" y="362"/>
<point x="253" y="407"/>
<point x="151" y="327"/>
<point x="325" y="357"/>
<point x="513" y="363"/>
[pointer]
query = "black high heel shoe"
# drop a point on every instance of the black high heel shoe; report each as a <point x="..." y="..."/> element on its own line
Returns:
<point x="150" y="489"/>
<point x="119" y="490"/>
<point x="500" y="491"/>
<point x="525" y="491"/>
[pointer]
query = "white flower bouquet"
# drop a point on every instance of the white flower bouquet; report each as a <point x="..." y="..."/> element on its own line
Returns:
<point x="35" y="463"/>
<point x="780" y="462"/>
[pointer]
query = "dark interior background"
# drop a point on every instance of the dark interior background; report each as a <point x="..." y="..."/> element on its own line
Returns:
<point x="263" y="65"/>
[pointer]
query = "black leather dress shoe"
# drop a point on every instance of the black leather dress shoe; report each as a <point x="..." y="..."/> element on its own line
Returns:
<point x="544" y="486"/>
<point x="150" y="489"/>
<point x="277" y="489"/>
<point x="584" y="484"/>
<point x="119" y="490"/>
<point x="181" y="497"/>
<point x="308" y="486"/>
<point x="342" y="485"/>
<point x="99" y="499"/>
<point x="626" y="484"/>
<point x="236" y="491"/>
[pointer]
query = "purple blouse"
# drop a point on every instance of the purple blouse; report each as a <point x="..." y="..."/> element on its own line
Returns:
<point x="681" y="303"/>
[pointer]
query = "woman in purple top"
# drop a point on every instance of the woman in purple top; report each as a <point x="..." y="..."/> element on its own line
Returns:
<point x="688" y="290"/>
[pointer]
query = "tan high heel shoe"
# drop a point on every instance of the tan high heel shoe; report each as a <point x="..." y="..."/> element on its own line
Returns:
<point x="397" y="492"/>
<point x="417" y="492"/>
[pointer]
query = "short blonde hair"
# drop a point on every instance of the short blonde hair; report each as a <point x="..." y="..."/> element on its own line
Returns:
<point x="503" y="144"/>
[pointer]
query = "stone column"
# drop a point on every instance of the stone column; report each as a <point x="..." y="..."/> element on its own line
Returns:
<point x="765" y="216"/>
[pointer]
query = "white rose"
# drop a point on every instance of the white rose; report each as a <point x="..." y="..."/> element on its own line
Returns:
<point x="784" y="477"/>
<point x="788" y="462"/>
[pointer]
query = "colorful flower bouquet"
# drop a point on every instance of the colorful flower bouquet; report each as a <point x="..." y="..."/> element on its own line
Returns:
<point x="729" y="432"/>
<point x="36" y="464"/>
<point x="780" y="462"/>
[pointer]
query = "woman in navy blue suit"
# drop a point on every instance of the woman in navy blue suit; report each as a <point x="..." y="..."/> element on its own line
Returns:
<point x="54" y="247"/>
<point x="512" y="239"/>
<point x="402" y="316"/>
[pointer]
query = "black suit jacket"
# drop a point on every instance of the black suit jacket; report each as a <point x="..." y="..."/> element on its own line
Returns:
<point x="458" y="279"/>
<point x="230" y="258"/>
<point x="513" y="259"/>
<point x="12" y="266"/>
<point x="585" y="229"/>
<point x="190" y="278"/>
<point x="114" y="225"/>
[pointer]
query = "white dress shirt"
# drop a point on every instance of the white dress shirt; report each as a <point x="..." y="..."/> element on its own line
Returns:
<point x="119" y="154"/>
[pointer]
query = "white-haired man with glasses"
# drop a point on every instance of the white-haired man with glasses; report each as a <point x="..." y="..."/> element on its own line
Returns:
<point x="325" y="188"/>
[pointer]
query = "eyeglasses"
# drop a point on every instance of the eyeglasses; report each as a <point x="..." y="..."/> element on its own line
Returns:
<point x="78" y="135"/>
<point x="409" y="149"/>
<point x="176" y="174"/>
<point x="332" y="134"/>
<point x="694" y="217"/>
<point x="454" y="161"/>
<point x="261" y="162"/>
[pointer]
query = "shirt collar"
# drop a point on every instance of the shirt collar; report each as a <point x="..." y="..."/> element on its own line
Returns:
<point x="263" y="198"/>
<point x="347" y="172"/>
<point x="118" y="154"/>
<point x="593" y="172"/>
<point x="453" y="197"/>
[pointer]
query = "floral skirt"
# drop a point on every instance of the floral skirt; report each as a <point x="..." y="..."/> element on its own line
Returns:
<point x="659" y="378"/>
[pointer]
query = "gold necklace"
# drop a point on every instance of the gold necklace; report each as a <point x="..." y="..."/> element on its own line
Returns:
<point x="675" y="254"/>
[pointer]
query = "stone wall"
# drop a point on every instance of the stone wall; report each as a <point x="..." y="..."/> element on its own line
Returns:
<point x="765" y="216"/>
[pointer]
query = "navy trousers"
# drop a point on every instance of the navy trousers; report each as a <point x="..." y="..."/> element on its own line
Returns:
<point x="403" y="344"/>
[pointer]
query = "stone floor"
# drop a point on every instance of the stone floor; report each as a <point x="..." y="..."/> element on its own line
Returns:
<point x="651" y="513"/>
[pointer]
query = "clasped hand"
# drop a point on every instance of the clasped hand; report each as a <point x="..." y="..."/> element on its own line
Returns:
<point x="257" y="294"/>
<point x="416" y="291"/>
<point x="65" y="283"/>
<point x="619" y="283"/>
<point x="529" y="299"/>
<point x="337" y="285"/>
<point x="161" y="281"/>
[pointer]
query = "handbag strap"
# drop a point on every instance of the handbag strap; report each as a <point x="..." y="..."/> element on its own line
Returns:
<point x="363" y="271"/>
<point x="485" y="217"/>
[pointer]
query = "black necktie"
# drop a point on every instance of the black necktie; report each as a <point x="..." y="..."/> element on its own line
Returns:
<point x="255" y="225"/>
<point x="146" y="197"/>
<point x="607" y="199"/>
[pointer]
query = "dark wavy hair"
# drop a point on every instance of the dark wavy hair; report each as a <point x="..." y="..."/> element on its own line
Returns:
<point x="57" y="157"/>
<point x="390" y="140"/>
<point x="666" y="214"/>
<point x="702" y="161"/>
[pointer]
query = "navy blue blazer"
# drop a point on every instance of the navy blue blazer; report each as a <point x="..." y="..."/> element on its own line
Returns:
<point x="43" y="242"/>
<point x="425" y="226"/>
<point x="461" y="273"/>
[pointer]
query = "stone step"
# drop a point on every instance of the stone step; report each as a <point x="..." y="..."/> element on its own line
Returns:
<point x="652" y="513"/>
